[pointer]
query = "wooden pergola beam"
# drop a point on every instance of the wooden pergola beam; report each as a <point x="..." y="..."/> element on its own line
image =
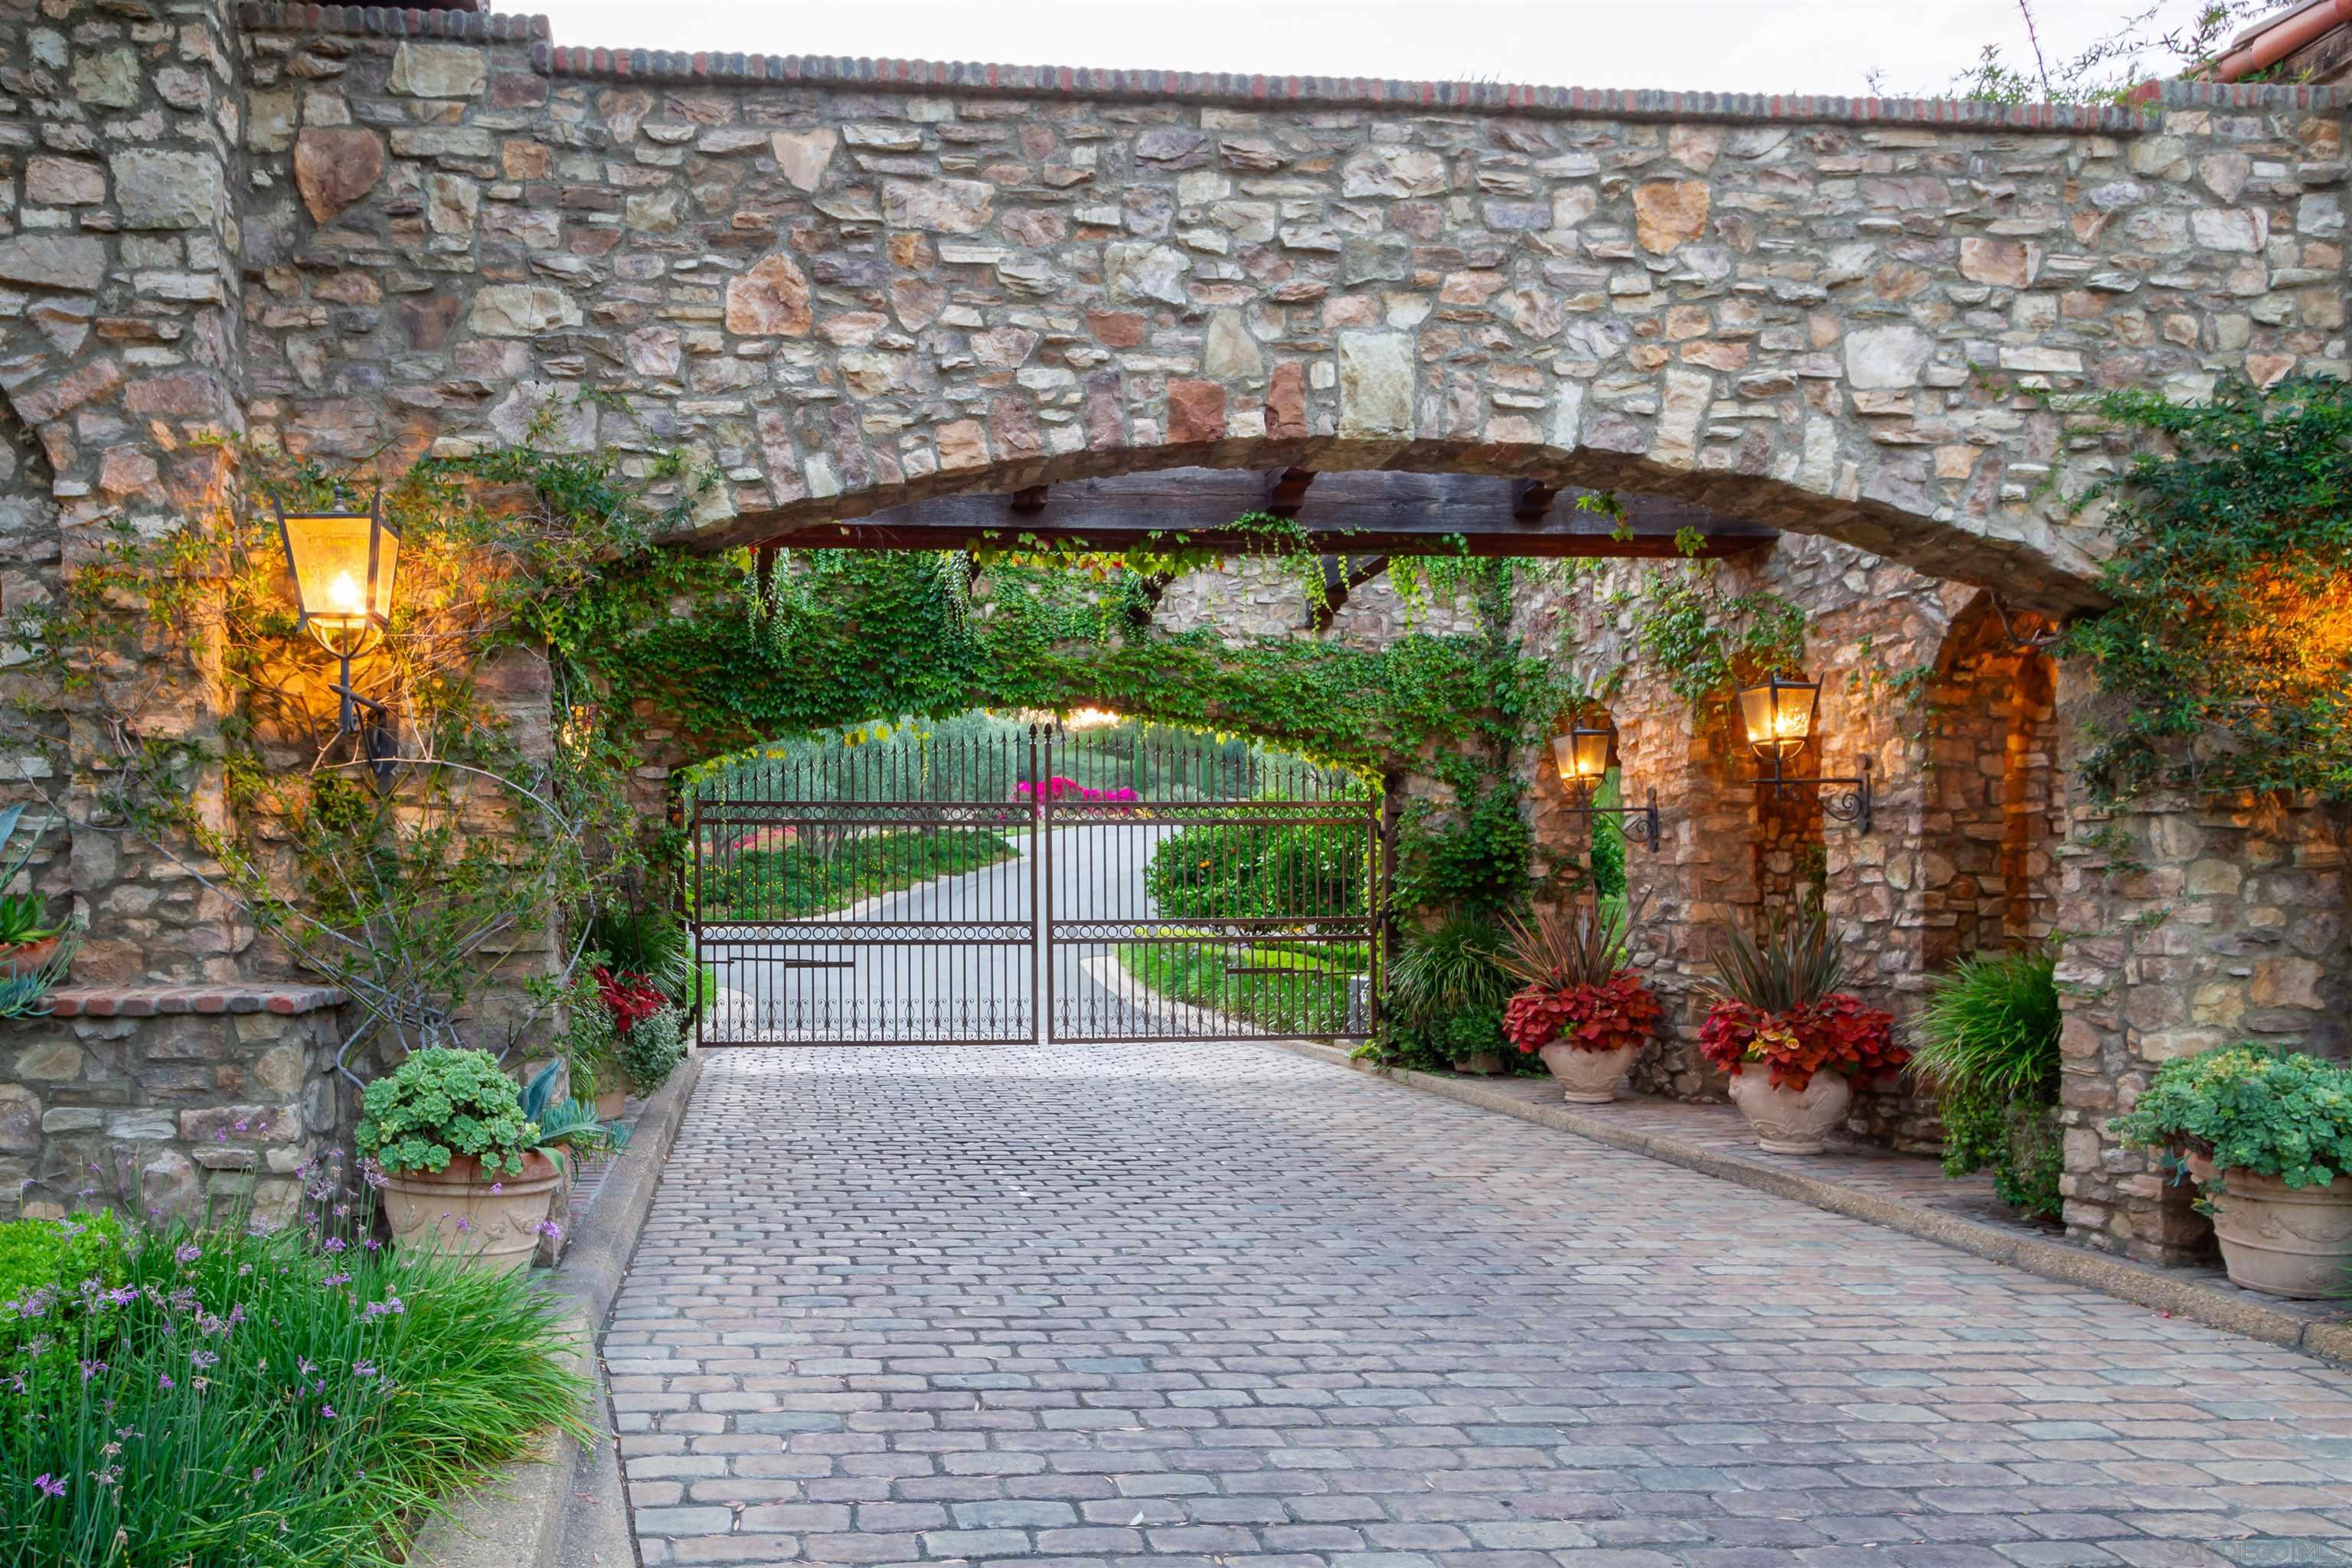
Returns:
<point x="1342" y="575"/>
<point x="1362" y="513"/>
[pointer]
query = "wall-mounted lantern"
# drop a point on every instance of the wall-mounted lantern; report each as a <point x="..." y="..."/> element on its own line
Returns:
<point x="1779" y="716"/>
<point x="343" y="564"/>
<point x="1583" y="757"/>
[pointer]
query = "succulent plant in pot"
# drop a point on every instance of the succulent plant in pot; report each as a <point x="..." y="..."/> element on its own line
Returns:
<point x="28" y="938"/>
<point x="1579" y="1007"/>
<point x="35" y="952"/>
<point x="1790" y="1038"/>
<point x="2268" y="1135"/>
<point x="463" y="1169"/>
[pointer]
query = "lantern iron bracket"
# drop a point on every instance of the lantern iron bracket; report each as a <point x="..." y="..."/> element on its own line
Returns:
<point x="375" y="736"/>
<point x="1843" y="800"/>
<point x="1640" y="821"/>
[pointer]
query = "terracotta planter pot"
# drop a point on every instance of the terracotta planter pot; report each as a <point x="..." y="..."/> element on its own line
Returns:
<point x="609" y="1104"/>
<point x="1589" y="1078"/>
<point x="1786" y="1122"/>
<point x="25" y="957"/>
<point x="456" y="1211"/>
<point x="2294" y="1242"/>
<point x="1484" y="1063"/>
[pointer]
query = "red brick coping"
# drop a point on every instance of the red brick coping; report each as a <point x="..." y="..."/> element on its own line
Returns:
<point x="157" y="1001"/>
<point x="1269" y="91"/>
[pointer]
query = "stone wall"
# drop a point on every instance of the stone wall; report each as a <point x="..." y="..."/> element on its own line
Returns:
<point x="2190" y="924"/>
<point x="164" y="1098"/>
<point x="847" y="285"/>
<point x="1733" y="851"/>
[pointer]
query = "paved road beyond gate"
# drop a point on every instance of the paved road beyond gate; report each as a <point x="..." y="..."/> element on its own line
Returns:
<point x="1094" y="884"/>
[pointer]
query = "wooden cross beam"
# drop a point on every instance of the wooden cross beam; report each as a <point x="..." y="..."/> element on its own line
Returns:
<point x="1362" y="513"/>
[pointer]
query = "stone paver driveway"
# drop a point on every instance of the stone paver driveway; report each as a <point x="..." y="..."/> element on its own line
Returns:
<point x="1218" y="1304"/>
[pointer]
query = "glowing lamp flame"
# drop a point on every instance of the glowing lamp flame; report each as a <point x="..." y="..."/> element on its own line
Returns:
<point x="343" y="596"/>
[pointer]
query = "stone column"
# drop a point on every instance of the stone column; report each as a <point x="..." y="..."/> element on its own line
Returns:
<point x="2187" y="922"/>
<point x="119" y="354"/>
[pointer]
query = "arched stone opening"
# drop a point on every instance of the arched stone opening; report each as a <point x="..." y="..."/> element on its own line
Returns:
<point x="1987" y="869"/>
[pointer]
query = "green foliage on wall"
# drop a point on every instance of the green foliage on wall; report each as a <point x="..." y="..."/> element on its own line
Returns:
<point x="853" y="636"/>
<point x="2227" y="659"/>
<point x="1708" y="640"/>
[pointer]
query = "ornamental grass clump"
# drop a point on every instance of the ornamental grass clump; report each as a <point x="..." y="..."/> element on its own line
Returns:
<point x="1778" y="1006"/>
<point x="1575" y="988"/>
<point x="294" y="1398"/>
<point x="1445" y="994"/>
<point x="1987" y="1044"/>
<point x="2249" y="1108"/>
<point x="440" y="1105"/>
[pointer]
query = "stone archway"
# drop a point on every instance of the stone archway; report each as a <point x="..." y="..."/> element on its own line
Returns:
<point x="844" y="287"/>
<point x="1988" y="873"/>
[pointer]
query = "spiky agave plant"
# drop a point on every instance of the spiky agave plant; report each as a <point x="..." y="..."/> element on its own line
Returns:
<point x="1578" y="943"/>
<point x="1789" y="964"/>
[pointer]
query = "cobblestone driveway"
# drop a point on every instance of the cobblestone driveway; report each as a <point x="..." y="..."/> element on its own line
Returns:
<point x="1218" y="1304"/>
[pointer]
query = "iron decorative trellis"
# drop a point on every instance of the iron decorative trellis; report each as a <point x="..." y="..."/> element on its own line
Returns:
<point x="1085" y="886"/>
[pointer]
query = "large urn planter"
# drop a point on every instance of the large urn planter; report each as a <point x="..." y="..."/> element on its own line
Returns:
<point x="1823" y="1044"/>
<point x="611" y="1102"/>
<point x="2252" y="1116"/>
<point x="1589" y="1078"/>
<point x="488" y="1220"/>
<point x="2279" y="1240"/>
<point x="1787" y="1121"/>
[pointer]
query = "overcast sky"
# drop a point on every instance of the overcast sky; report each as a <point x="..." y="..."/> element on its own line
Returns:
<point x="1758" y="45"/>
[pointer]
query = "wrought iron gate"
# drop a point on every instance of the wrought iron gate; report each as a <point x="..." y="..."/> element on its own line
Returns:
<point x="1083" y="886"/>
<point x="869" y="894"/>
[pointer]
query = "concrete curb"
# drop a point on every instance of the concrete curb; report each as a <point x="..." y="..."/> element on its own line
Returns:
<point x="2135" y="1282"/>
<point x="566" y="1505"/>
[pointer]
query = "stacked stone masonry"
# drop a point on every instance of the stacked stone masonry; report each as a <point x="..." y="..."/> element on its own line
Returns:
<point x="168" y="1097"/>
<point x="368" y="235"/>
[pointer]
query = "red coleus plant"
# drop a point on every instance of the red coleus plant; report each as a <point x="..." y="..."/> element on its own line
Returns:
<point x="630" y="998"/>
<point x="1620" y="1011"/>
<point x="1837" y="1034"/>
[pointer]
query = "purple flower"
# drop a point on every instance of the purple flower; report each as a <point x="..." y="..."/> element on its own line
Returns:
<point x="200" y="1359"/>
<point x="305" y="1365"/>
<point x="187" y="1252"/>
<point x="332" y="1280"/>
<point x="372" y="1245"/>
<point x="327" y="1411"/>
<point x="496" y="1187"/>
<point x="550" y="1229"/>
<point x="164" y="1380"/>
<point x="48" y="1485"/>
<point x="334" y="1243"/>
<point x="390" y="1307"/>
<point x="91" y="1369"/>
<point x="363" y="1369"/>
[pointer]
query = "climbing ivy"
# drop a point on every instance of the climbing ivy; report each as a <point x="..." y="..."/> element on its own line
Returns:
<point x="2226" y="661"/>
<point x="1707" y="639"/>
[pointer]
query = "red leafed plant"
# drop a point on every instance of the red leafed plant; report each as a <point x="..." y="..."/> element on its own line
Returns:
<point x="630" y="998"/>
<point x="1574" y="987"/>
<point x="1777" y="1005"/>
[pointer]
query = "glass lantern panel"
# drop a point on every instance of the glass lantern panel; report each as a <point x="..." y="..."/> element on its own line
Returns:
<point x="329" y="557"/>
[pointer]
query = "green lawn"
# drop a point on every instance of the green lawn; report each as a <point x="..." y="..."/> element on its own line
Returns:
<point x="798" y="881"/>
<point x="1300" y="990"/>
